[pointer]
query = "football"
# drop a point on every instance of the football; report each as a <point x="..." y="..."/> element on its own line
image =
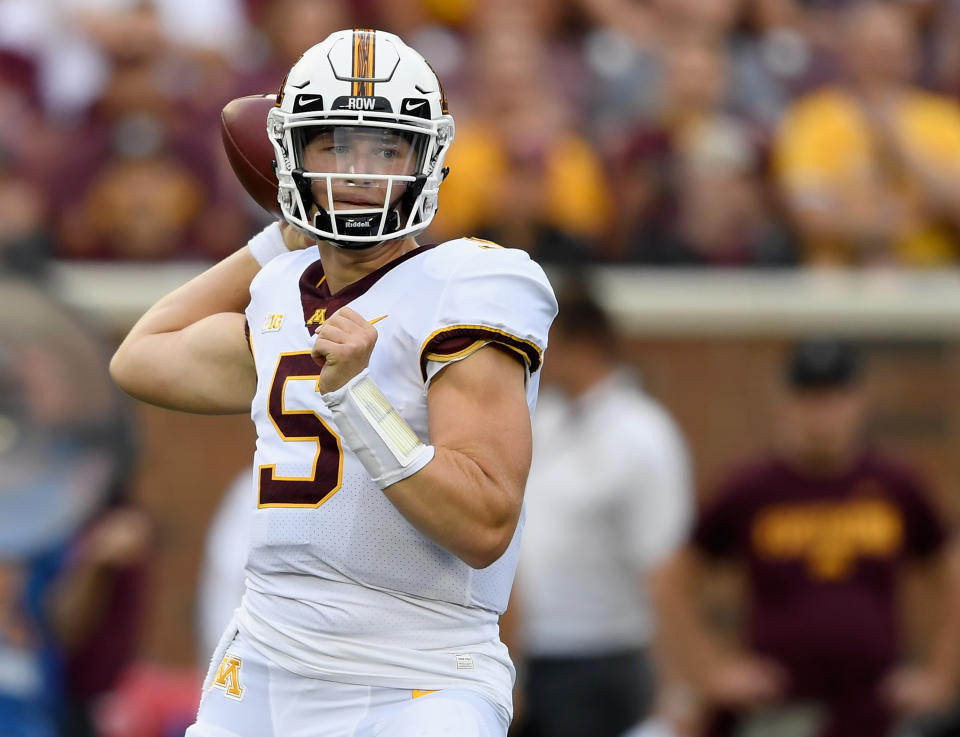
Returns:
<point x="243" y="125"/>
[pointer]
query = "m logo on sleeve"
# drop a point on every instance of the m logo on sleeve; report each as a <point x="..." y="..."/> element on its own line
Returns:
<point x="228" y="677"/>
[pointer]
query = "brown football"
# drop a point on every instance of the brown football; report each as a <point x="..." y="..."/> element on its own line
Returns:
<point x="243" y="125"/>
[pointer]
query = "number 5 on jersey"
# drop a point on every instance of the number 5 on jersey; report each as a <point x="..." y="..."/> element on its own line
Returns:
<point x="301" y="426"/>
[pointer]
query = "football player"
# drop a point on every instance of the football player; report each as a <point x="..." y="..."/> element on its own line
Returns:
<point x="391" y="384"/>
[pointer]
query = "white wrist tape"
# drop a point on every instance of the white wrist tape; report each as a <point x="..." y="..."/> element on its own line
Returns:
<point x="267" y="244"/>
<point x="373" y="429"/>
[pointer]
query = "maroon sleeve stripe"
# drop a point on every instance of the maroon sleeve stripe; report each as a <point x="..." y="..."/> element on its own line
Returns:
<point x="452" y="342"/>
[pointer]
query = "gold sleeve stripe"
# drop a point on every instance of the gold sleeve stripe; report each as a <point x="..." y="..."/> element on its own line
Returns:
<point x="458" y="354"/>
<point x="519" y="352"/>
<point x="530" y="351"/>
<point x="484" y="241"/>
<point x="363" y="46"/>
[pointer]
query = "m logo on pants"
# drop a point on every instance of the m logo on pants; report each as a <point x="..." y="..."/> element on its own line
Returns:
<point x="228" y="677"/>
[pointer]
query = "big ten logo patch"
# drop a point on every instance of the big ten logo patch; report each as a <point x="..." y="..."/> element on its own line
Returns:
<point x="228" y="677"/>
<point x="272" y="322"/>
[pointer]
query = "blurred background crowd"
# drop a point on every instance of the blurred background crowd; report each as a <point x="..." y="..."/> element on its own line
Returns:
<point x="788" y="134"/>
<point x="664" y="132"/>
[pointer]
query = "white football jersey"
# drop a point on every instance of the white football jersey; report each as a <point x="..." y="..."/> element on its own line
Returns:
<point x="339" y="584"/>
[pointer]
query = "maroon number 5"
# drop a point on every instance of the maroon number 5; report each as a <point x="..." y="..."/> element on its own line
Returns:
<point x="300" y="425"/>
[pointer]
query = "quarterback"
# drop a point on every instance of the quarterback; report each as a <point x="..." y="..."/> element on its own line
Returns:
<point x="391" y="384"/>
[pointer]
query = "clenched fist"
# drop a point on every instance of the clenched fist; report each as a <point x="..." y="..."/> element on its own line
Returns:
<point x="342" y="348"/>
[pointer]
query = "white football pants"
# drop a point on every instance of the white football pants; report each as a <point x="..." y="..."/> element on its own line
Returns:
<point x="246" y="695"/>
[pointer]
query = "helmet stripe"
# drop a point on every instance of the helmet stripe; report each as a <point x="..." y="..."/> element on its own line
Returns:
<point x="283" y="87"/>
<point x="443" y="95"/>
<point x="363" y="45"/>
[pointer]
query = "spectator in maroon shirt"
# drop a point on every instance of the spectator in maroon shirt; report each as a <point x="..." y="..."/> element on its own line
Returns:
<point x="822" y="528"/>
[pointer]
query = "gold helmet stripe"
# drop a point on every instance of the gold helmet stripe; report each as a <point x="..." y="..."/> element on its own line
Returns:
<point x="363" y="45"/>
<point x="282" y="91"/>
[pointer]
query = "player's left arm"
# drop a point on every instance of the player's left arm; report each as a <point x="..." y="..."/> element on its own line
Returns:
<point x="468" y="498"/>
<point x="465" y="490"/>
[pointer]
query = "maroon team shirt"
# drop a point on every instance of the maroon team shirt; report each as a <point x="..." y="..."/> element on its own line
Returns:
<point x="822" y="556"/>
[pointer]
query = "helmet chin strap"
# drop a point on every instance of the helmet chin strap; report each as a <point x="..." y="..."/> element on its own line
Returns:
<point x="365" y="225"/>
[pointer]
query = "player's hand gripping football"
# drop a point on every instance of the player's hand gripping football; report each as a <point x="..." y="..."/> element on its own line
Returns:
<point x="342" y="348"/>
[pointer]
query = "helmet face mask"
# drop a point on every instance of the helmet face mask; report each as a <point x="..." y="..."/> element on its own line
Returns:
<point x="357" y="180"/>
<point x="360" y="133"/>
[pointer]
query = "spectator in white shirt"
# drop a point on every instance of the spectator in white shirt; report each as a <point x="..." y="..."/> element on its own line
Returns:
<point x="608" y="498"/>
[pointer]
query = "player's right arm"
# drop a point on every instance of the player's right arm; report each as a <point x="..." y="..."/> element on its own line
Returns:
<point x="189" y="351"/>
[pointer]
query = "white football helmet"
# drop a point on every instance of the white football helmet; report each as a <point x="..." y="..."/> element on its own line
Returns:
<point x="360" y="131"/>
